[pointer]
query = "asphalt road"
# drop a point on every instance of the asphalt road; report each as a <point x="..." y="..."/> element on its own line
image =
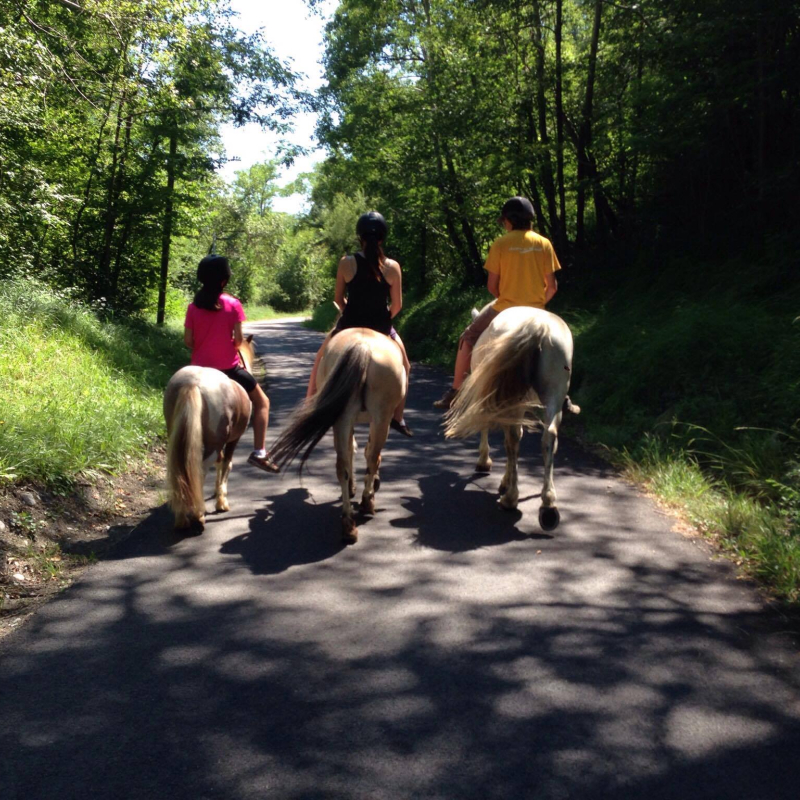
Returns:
<point x="455" y="652"/>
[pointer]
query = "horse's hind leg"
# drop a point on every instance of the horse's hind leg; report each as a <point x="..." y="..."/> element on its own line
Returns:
<point x="484" y="459"/>
<point x="343" y="442"/>
<point x="509" y="488"/>
<point x="549" y="516"/>
<point x="378" y="431"/>
<point x="223" y="472"/>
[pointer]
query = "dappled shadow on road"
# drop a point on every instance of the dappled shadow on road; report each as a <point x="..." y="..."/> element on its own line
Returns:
<point x="443" y="499"/>
<point x="288" y="533"/>
<point x="454" y="652"/>
<point x="293" y="693"/>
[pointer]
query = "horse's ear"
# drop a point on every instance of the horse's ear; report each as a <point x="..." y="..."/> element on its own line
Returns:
<point x="250" y="338"/>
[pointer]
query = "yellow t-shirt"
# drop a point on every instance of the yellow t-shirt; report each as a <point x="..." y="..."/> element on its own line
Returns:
<point x="522" y="259"/>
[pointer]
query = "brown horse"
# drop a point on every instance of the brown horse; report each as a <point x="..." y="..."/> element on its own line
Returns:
<point x="361" y="379"/>
<point x="206" y="414"/>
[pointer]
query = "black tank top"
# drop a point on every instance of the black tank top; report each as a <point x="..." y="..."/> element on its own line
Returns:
<point x="367" y="300"/>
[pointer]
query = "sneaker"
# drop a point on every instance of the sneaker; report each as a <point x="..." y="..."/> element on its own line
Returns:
<point x="446" y="399"/>
<point x="401" y="428"/>
<point x="263" y="462"/>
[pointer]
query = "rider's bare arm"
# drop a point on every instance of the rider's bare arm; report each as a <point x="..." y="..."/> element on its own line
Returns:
<point x="344" y="274"/>
<point x="394" y="277"/>
<point x="238" y="338"/>
<point x="493" y="284"/>
<point x="550" y="287"/>
<point x="188" y="338"/>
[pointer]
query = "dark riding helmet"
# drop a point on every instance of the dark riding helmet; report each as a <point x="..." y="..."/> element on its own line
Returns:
<point x="517" y="210"/>
<point x="371" y="224"/>
<point x="213" y="270"/>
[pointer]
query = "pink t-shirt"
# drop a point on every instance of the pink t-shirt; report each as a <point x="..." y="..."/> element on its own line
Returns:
<point x="213" y="333"/>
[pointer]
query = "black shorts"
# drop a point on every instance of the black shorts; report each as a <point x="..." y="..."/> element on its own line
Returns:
<point x="340" y="326"/>
<point x="242" y="377"/>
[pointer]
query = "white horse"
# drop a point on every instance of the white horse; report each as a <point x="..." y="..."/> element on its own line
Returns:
<point x="522" y="361"/>
<point x="361" y="378"/>
<point x="206" y="414"/>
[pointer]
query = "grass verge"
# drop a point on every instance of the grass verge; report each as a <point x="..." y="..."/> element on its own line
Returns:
<point x="79" y="396"/>
<point x="257" y="313"/>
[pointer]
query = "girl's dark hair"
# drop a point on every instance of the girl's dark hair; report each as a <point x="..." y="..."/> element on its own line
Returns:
<point x="212" y="272"/>
<point x="371" y="229"/>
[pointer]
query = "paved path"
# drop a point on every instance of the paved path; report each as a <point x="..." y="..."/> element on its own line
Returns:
<point x="455" y="652"/>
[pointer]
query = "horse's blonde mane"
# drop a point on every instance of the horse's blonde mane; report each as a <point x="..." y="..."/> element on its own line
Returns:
<point x="248" y="353"/>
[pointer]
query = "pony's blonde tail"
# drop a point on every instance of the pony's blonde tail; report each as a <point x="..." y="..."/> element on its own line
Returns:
<point x="313" y="419"/>
<point x="185" y="455"/>
<point x="499" y="390"/>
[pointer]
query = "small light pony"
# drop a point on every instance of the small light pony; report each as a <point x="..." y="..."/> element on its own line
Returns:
<point x="206" y="414"/>
<point x="522" y="361"/>
<point x="361" y="378"/>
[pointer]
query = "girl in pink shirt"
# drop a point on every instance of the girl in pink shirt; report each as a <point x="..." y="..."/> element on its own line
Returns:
<point x="213" y="332"/>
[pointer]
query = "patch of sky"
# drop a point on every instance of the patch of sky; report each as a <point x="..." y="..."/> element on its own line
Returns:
<point x="294" y="33"/>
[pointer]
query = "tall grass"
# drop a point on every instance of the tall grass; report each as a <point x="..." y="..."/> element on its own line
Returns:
<point x="77" y="395"/>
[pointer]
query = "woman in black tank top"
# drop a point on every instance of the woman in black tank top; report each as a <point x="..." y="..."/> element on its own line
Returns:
<point x="370" y="293"/>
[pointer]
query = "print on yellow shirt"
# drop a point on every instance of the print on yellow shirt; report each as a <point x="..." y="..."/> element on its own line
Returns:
<point x="522" y="259"/>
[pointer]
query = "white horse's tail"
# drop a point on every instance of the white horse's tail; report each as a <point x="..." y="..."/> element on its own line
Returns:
<point x="185" y="454"/>
<point x="313" y="419"/>
<point x="499" y="390"/>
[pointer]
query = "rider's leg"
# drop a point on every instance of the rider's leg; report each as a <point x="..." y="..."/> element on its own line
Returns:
<point x="398" y="412"/>
<point x="260" y="403"/>
<point x="464" y="356"/>
<point x="312" y="380"/>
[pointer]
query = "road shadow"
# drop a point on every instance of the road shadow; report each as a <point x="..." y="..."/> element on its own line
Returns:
<point x="447" y="496"/>
<point x="292" y="530"/>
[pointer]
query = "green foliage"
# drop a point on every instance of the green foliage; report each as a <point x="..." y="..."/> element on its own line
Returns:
<point x="79" y="396"/>
<point x="323" y="317"/>
<point x="109" y="119"/>
<point x="763" y="539"/>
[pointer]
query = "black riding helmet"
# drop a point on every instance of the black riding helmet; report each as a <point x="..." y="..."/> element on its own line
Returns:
<point x="213" y="270"/>
<point x="517" y="210"/>
<point x="372" y="223"/>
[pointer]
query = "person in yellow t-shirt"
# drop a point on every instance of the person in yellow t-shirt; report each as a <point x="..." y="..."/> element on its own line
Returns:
<point x="522" y="268"/>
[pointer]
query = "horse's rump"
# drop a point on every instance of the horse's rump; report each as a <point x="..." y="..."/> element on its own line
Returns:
<point x="502" y="387"/>
<point x="357" y="372"/>
<point x="204" y="410"/>
<point x="315" y="418"/>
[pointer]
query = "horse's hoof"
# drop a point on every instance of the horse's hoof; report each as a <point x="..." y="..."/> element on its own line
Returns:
<point x="549" y="518"/>
<point x="506" y="504"/>
<point x="220" y="507"/>
<point x="367" y="507"/>
<point x="349" y="531"/>
<point x="376" y="483"/>
<point x="483" y="468"/>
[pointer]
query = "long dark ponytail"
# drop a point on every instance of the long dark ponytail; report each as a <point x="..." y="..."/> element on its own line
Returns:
<point x="371" y="229"/>
<point x="213" y="272"/>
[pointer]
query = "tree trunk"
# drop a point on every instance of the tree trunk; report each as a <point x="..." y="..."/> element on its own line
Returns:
<point x="561" y="237"/>
<point x="585" y="131"/>
<point x="112" y="196"/>
<point x="541" y="106"/>
<point x="166" y="236"/>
